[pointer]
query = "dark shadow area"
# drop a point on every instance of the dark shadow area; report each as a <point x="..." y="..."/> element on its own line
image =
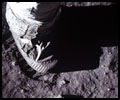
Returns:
<point x="83" y="31"/>
<point x="90" y="26"/>
<point x="71" y="96"/>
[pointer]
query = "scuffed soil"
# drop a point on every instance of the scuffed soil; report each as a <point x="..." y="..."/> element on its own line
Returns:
<point x="101" y="82"/>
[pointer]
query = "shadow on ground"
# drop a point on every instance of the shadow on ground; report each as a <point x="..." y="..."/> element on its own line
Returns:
<point x="83" y="32"/>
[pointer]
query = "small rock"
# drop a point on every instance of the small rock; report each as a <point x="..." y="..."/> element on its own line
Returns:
<point x="102" y="66"/>
<point x="108" y="89"/>
<point x="45" y="78"/>
<point x="13" y="63"/>
<point x="62" y="82"/>
<point x="19" y="72"/>
<point x="22" y="91"/>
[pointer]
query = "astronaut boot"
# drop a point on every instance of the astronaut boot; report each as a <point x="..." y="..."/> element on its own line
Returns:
<point x="25" y="28"/>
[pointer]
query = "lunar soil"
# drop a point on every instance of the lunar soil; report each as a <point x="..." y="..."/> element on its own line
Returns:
<point x="68" y="82"/>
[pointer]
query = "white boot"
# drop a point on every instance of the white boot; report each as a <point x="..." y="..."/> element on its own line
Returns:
<point x="24" y="28"/>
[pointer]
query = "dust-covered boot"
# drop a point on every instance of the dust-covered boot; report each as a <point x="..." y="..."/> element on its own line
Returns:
<point x="26" y="21"/>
